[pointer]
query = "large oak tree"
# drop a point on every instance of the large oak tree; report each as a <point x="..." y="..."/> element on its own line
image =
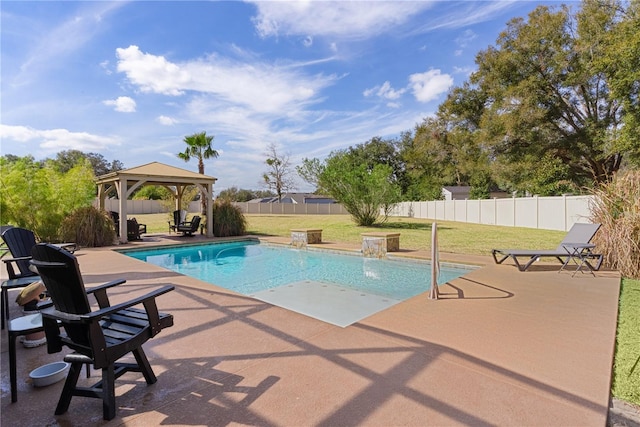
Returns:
<point x="555" y="95"/>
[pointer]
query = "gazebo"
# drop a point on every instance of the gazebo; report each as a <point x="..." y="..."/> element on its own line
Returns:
<point x="125" y="182"/>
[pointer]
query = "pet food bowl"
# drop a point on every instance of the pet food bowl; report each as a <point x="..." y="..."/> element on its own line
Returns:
<point x="49" y="374"/>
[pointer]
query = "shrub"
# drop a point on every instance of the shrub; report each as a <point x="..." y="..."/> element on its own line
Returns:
<point x="88" y="227"/>
<point x="617" y="207"/>
<point x="228" y="219"/>
<point x="36" y="196"/>
<point x="153" y="192"/>
<point x="368" y="194"/>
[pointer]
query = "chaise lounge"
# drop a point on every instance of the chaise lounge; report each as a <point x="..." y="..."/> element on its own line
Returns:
<point x="571" y="246"/>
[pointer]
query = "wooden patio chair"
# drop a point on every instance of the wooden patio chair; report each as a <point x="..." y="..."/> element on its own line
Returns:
<point x="100" y="337"/>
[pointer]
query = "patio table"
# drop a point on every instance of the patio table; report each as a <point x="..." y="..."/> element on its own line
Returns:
<point x="580" y="254"/>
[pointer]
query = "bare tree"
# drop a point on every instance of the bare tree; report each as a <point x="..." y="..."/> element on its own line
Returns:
<point x="278" y="177"/>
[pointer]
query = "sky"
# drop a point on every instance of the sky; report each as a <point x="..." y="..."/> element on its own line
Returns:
<point x="130" y="80"/>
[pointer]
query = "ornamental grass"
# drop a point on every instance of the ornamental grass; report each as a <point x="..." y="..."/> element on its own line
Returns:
<point x="617" y="207"/>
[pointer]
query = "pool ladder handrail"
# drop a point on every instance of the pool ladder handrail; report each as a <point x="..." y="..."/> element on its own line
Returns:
<point x="435" y="262"/>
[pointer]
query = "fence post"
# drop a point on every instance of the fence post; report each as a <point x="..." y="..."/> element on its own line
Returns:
<point x="564" y="207"/>
<point x="537" y="212"/>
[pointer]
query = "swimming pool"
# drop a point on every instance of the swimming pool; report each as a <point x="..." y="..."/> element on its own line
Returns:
<point x="249" y="267"/>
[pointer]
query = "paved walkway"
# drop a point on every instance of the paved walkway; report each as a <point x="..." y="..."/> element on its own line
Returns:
<point x="500" y="347"/>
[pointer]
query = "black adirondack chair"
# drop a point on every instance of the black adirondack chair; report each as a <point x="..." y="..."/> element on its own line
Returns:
<point x="135" y="229"/>
<point x="20" y="241"/>
<point x="189" y="227"/>
<point x="178" y="219"/>
<point x="4" y="250"/>
<point x="98" y="337"/>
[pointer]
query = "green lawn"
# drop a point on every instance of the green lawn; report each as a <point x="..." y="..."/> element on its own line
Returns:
<point x="626" y="369"/>
<point x="461" y="238"/>
<point x="453" y="237"/>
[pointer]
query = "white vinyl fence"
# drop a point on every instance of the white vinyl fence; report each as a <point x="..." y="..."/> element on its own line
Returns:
<point x="154" y="206"/>
<point x="144" y="206"/>
<point x="292" y="208"/>
<point x="550" y="213"/>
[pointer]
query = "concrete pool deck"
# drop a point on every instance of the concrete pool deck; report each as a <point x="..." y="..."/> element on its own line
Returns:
<point x="500" y="347"/>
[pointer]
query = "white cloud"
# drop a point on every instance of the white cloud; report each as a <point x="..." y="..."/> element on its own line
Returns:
<point x="123" y="104"/>
<point x="465" y="38"/>
<point x="17" y="133"/>
<point x="463" y="70"/>
<point x="466" y="13"/>
<point x="152" y="73"/>
<point x="429" y="85"/>
<point x="351" y="19"/>
<point x="385" y="91"/>
<point x="308" y="41"/>
<point x="54" y="44"/>
<point x="261" y="87"/>
<point x="166" y="121"/>
<point x="54" y="140"/>
<point x="105" y="66"/>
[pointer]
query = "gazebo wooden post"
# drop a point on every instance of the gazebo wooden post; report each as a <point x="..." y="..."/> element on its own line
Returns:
<point x="178" y="195"/>
<point x="177" y="198"/>
<point x="121" y="188"/>
<point x="101" y="196"/>
<point x="209" y="210"/>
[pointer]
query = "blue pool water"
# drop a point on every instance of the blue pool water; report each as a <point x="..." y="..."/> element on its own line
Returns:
<point x="248" y="267"/>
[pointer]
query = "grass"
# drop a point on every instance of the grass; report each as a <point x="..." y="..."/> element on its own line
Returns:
<point x="454" y="237"/>
<point x="626" y="370"/>
<point x="462" y="238"/>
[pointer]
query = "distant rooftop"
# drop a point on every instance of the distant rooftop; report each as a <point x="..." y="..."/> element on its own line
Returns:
<point x="297" y="198"/>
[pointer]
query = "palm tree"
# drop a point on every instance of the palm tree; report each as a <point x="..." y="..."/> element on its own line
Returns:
<point x="199" y="145"/>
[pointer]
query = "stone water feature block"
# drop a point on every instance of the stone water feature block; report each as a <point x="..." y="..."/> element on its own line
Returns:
<point x="378" y="244"/>
<point x="301" y="237"/>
